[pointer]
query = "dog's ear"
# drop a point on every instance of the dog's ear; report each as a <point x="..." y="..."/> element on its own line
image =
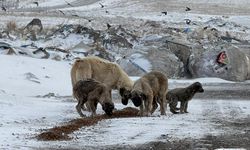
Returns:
<point x="124" y="101"/>
<point x="108" y="108"/>
<point x="137" y="102"/>
<point x="138" y="98"/>
<point x="198" y="87"/>
<point x="122" y="91"/>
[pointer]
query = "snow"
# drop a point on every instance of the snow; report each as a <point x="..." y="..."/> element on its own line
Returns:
<point x="189" y="81"/>
<point x="23" y="114"/>
<point x="42" y="3"/>
<point x="53" y="76"/>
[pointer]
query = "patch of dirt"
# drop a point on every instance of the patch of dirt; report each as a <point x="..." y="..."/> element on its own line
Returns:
<point x="62" y="132"/>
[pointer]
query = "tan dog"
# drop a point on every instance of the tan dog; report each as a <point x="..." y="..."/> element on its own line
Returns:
<point x="111" y="74"/>
<point x="92" y="92"/>
<point x="149" y="90"/>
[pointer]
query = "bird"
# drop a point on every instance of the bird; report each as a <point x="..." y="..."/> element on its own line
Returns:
<point x="164" y="12"/>
<point x="188" y="21"/>
<point x="89" y="20"/>
<point x="102" y="6"/>
<point x="69" y="4"/>
<point x="188" y="9"/>
<point x="107" y="12"/>
<point x="3" y="8"/>
<point x="75" y="15"/>
<point x="205" y="28"/>
<point x="108" y="25"/>
<point x="61" y="12"/>
<point x="36" y="3"/>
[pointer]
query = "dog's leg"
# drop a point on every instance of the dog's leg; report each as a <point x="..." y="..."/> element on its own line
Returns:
<point x="173" y="107"/>
<point x="79" y="106"/>
<point x="87" y="107"/>
<point x="155" y="105"/>
<point x="185" y="107"/>
<point x="91" y="104"/>
<point x="173" y="102"/>
<point x="141" y="109"/>
<point x="161" y="101"/>
<point x="145" y="107"/>
<point x="149" y="103"/>
<point x="182" y="106"/>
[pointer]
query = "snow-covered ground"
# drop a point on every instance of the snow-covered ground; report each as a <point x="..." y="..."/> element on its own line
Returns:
<point x="25" y="110"/>
<point x="35" y="94"/>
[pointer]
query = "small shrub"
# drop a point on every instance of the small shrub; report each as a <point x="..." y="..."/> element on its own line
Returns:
<point x="11" y="26"/>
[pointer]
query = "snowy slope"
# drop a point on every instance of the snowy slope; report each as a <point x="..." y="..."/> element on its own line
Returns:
<point x="21" y="74"/>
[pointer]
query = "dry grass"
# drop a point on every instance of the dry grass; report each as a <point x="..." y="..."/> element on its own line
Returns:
<point x="11" y="26"/>
<point x="62" y="132"/>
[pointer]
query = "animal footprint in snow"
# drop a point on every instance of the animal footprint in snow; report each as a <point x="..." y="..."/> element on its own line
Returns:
<point x="31" y="77"/>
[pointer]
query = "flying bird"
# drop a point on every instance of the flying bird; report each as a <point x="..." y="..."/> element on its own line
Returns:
<point x="3" y="8"/>
<point x="108" y="25"/>
<point x="188" y="9"/>
<point x="164" y="12"/>
<point x="36" y="3"/>
<point x="205" y="28"/>
<point x="61" y="12"/>
<point x="69" y="3"/>
<point x="102" y="6"/>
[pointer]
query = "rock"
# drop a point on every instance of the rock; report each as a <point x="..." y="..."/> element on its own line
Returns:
<point x="89" y="32"/>
<point x="166" y="62"/>
<point x="206" y="65"/>
<point x="116" y="38"/>
<point x="205" y="35"/>
<point x="182" y="50"/>
<point x="130" y="68"/>
<point x="33" y="28"/>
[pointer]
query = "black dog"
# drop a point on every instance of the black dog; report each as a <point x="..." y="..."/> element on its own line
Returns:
<point x="183" y="95"/>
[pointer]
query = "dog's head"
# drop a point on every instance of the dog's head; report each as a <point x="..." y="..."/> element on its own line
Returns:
<point x="108" y="108"/>
<point x="137" y="98"/>
<point x="198" y="87"/>
<point x="126" y="95"/>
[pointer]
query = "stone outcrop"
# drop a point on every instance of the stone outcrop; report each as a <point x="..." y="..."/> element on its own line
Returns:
<point x="237" y="67"/>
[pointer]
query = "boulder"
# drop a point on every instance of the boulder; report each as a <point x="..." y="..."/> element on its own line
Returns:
<point x="227" y="62"/>
<point x="130" y="68"/>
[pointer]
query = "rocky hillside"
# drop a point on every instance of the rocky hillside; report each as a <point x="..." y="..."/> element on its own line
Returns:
<point x="178" y="52"/>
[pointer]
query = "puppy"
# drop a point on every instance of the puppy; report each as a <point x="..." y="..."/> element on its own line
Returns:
<point x="149" y="90"/>
<point x="92" y="92"/>
<point x="184" y="95"/>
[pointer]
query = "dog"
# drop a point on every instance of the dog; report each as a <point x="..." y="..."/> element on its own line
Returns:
<point x="104" y="71"/>
<point x="92" y="92"/>
<point x="149" y="90"/>
<point x="184" y="95"/>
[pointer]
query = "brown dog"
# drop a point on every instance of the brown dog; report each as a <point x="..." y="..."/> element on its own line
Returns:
<point x="183" y="95"/>
<point x="92" y="92"/>
<point x="149" y="90"/>
<point x="104" y="71"/>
